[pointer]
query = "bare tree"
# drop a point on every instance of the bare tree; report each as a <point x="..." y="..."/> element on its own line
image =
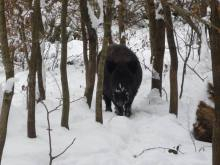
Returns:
<point x="32" y="70"/>
<point x="90" y="40"/>
<point x="52" y="158"/>
<point x="9" y="72"/>
<point x="40" y="79"/>
<point x="215" y="52"/>
<point x="106" y="41"/>
<point x="157" y="40"/>
<point x="188" y="49"/>
<point x="63" y="70"/>
<point x="121" y="21"/>
<point x="174" y="59"/>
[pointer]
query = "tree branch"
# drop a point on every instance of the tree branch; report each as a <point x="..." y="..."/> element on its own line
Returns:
<point x="50" y="138"/>
<point x="186" y="15"/>
<point x="54" y="157"/>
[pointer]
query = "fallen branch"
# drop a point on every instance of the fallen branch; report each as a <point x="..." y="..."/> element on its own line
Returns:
<point x="170" y="150"/>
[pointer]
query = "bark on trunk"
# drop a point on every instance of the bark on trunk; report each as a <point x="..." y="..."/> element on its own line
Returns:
<point x="92" y="66"/>
<point x="92" y="38"/>
<point x="174" y="59"/>
<point x="159" y="56"/>
<point x="121" y="21"/>
<point x="102" y="58"/>
<point x="157" y="40"/>
<point x="63" y="69"/>
<point x="215" y="53"/>
<point x="85" y="47"/>
<point x="41" y="89"/>
<point x="9" y="72"/>
<point x="31" y="130"/>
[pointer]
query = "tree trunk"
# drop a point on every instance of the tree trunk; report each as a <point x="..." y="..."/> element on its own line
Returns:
<point x="41" y="85"/>
<point x="106" y="40"/>
<point x="92" y="66"/>
<point x="121" y="21"/>
<point x="41" y="89"/>
<point x="185" y="62"/>
<point x="159" y="56"/>
<point x="93" y="41"/>
<point x="174" y="59"/>
<point x="157" y="40"/>
<point x="32" y="71"/>
<point x="9" y="72"/>
<point x="150" y="10"/>
<point x="215" y="53"/>
<point x="85" y="47"/>
<point x="203" y="8"/>
<point x="63" y="69"/>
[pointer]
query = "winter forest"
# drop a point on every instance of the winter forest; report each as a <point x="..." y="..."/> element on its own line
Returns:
<point x="109" y="82"/>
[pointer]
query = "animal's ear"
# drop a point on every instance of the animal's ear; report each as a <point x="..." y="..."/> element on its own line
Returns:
<point x="110" y="66"/>
<point x="132" y="66"/>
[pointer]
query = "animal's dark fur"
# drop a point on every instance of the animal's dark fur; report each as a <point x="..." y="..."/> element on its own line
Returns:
<point x="205" y="116"/>
<point x="202" y="129"/>
<point x="122" y="78"/>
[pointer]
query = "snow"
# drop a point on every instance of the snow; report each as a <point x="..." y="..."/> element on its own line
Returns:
<point x="9" y="85"/>
<point x="158" y="12"/>
<point x="94" y="20"/>
<point x="154" y="97"/>
<point x="205" y="51"/>
<point x="155" y="74"/>
<point x="119" y="138"/>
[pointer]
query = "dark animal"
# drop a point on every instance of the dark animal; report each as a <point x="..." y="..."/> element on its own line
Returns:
<point x="202" y="129"/>
<point x="205" y="116"/>
<point x="122" y="78"/>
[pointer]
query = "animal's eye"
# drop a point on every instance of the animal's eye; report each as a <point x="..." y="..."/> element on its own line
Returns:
<point x="110" y="66"/>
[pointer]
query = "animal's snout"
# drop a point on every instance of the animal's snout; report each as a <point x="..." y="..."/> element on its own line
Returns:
<point x="120" y="103"/>
<point x="120" y="96"/>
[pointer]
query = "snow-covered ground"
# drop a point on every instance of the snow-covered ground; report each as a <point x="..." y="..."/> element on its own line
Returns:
<point x="119" y="139"/>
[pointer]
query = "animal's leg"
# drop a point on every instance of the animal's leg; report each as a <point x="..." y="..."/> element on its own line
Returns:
<point x="128" y="110"/>
<point x="119" y="111"/>
<point x="107" y="103"/>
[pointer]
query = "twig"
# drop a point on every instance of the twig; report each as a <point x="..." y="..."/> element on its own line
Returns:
<point x="185" y="62"/>
<point x="49" y="133"/>
<point x="193" y="140"/>
<point x="190" y="133"/>
<point x="54" y="157"/>
<point x="56" y="82"/>
<point x="50" y="138"/>
<point x="170" y="150"/>
<point x="145" y="66"/>
<point x="203" y="148"/>
<point x="165" y="93"/>
<point x="58" y="106"/>
<point x="186" y="14"/>
<point x="203" y="79"/>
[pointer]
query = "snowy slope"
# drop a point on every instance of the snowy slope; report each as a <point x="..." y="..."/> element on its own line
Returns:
<point x="119" y="138"/>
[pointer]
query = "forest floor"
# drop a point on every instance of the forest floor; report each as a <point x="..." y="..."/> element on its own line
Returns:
<point x="120" y="140"/>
